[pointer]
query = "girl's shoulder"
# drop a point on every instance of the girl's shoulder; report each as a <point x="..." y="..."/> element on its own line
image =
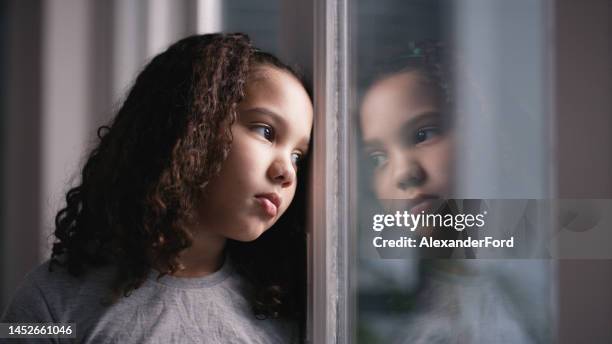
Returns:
<point x="49" y="290"/>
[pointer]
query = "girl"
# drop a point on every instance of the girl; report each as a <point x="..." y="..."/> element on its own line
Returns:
<point x="411" y="149"/>
<point x="408" y="138"/>
<point x="158" y="242"/>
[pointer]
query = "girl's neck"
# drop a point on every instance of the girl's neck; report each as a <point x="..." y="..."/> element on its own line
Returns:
<point x="205" y="256"/>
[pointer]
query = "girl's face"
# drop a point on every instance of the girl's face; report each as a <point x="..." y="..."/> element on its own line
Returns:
<point x="406" y="142"/>
<point x="257" y="181"/>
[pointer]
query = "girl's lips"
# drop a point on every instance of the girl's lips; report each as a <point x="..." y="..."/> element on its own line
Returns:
<point x="423" y="204"/>
<point x="267" y="205"/>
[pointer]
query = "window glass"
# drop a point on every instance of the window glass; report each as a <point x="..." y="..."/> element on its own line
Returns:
<point x="441" y="92"/>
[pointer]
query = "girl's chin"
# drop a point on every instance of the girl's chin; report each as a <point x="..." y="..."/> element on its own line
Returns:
<point x="249" y="234"/>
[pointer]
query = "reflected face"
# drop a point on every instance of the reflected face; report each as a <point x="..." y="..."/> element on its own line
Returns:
<point x="406" y="140"/>
<point x="257" y="181"/>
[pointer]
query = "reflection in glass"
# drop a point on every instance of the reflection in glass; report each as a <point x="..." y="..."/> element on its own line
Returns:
<point x="407" y="129"/>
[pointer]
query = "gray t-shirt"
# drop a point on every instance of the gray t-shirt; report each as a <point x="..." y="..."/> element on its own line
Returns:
<point x="458" y="309"/>
<point x="210" y="309"/>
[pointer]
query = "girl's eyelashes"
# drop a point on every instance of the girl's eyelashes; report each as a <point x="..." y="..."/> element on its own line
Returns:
<point x="377" y="158"/>
<point x="265" y="131"/>
<point x="296" y="158"/>
<point x="423" y="135"/>
<point x="426" y="134"/>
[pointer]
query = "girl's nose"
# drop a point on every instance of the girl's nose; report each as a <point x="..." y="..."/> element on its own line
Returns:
<point x="281" y="171"/>
<point x="408" y="173"/>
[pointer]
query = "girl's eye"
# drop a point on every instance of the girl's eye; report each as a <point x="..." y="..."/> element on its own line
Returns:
<point x="296" y="158"/>
<point x="377" y="159"/>
<point x="265" y="131"/>
<point x="425" y="134"/>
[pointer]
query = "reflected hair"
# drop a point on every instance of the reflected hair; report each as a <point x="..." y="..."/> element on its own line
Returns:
<point x="430" y="59"/>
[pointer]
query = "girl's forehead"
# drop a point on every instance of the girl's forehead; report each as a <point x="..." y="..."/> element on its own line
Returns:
<point x="262" y="72"/>
<point x="401" y="92"/>
<point x="280" y="92"/>
<point x="272" y="81"/>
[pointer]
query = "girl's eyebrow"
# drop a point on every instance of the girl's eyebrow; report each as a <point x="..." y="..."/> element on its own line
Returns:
<point x="420" y="117"/>
<point x="277" y="118"/>
<point x="265" y="111"/>
<point x="413" y="122"/>
<point x="372" y="144"/>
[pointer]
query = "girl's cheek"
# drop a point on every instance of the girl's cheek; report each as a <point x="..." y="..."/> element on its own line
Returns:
<point x="381" y="185"/>
<point x="438" y="160"/>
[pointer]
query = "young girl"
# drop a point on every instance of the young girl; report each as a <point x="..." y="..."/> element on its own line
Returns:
<point x="406" y="133"/>
<point x="175" y="232"/>
<point x="408" y="137"/>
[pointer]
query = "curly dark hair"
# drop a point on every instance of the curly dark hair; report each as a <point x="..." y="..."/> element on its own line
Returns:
<point x="139" y="185"/>
<point x="429" y="58"/>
